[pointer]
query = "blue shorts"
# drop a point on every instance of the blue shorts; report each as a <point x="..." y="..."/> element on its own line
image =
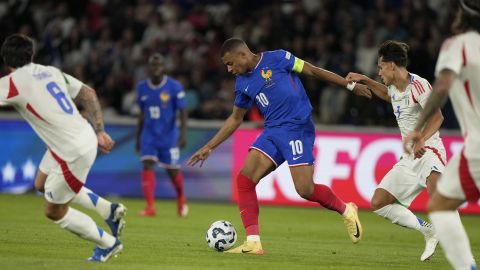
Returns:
<point x="293" y="143"/>
<point x="166" y="157"/>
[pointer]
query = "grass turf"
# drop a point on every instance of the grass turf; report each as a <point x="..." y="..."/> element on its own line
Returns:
<point x="293" y="238"/>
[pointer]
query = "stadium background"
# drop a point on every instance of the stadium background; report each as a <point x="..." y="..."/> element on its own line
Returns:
<point x="106" y="43"/>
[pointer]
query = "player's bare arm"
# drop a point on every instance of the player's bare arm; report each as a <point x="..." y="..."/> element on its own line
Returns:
<point x="138" y="131"/>
<point x="431" y="127"/>
<point x="320" y="73"/>
<point x="379" y="89"/>
<point x="88" y="99"/>
<point x="182" y="140"/>
<point x="231" y="124"/>
<point x="436" y="99"/>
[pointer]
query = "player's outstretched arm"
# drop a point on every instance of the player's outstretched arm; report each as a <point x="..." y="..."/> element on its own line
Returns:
<point x="436" y="99"/>
<point x="87" y="98"/>
<point x="231" y="124"/>
<point x="380" y="90"/>
<point x="323" y="74"/>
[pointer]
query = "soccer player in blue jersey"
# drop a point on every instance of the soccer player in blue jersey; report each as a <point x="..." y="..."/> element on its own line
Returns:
<point x="270" y="80"/>
<point x="158" y="138"/>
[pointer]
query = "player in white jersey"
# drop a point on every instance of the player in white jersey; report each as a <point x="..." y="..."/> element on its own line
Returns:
<point x="407" y="93"/>
<point x="45" y="97"/>
<point x="457" y="75"/>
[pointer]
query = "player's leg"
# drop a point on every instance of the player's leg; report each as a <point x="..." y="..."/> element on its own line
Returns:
<point x="392" y="197"/>
<point x="79" y="223"/>
<point x="303" y="180"/>
<point x="176" y="178"/>
<point x="61" y="186"/>
<point x="112" y="213"/>
<point x="169" y="159"/>
<point x="148" y="185"/>
<point x="262" y="159"/>
<point x="459" y="182"/>
<point x="395" y="193"/>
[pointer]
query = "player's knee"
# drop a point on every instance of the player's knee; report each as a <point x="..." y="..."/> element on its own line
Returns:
<point x="377" y="203"/>
<point x="249" y="173"/>
<point x="148" y="164"/>
<point x="54" y="213"/>
<point x="305" y="191"/>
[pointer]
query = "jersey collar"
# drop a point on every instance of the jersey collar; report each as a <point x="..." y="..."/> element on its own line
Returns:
<point x="162" y="83"/>
<point x="259" y="61"/>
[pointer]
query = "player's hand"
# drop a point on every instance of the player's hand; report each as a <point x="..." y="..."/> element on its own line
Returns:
<point x="354" y="77"/>
<point x="362" y="90"/>
<point x="182" y="141"/>
<point x="410" y="141"/>
<point x="419" y="148"/>
<point x="105" y="143"/>
<point x="200" y="156"/>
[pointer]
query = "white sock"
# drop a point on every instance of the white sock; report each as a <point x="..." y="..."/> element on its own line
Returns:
<point x="90" y="200"/>
<point x="84" y="226"/>
<point x="402" y="216"/>
<point x="255" y="238"/>
<point x="453" y="238"/>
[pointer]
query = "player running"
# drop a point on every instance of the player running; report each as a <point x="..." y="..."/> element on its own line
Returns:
<point x="270" y="80"/>
<point x="45" y="97"/>
<point x="457" y="72"/>
<point x="408" y="93"/>
<point x="158" y="138"/>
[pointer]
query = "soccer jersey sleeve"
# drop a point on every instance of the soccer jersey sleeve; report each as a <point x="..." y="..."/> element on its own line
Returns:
<point x="139" y="96"/>
<point x="3" y="93"/>
<point x="422" y="90"/>
<point x="241" y="100"/>
<point x="450" y="56"/>
<point x="180" y="102"/>
<point x="73" y="85"/>
<point x="289" y="62"/>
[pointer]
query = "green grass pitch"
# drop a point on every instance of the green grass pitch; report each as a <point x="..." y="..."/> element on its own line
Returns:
<point x="293" y="238"/>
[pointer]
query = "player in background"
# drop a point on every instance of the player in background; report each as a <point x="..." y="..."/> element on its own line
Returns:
<point x="458" y="75"/>
<point x="270" y="80"/>
<point x="45" y="97"/>
<point x="408" y="93"/>
<point x="158" y="138"/>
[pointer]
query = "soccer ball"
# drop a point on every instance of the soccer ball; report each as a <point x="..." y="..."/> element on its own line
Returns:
<point x="221" y="235"/>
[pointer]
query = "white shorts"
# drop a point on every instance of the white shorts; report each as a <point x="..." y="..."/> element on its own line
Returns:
<point x="461" y="179"/>
<point x="65" y="179"/>
<point x="408" y="177"/>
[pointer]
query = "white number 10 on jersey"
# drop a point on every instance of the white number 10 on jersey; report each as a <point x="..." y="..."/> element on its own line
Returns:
<point x="297" y="147"/>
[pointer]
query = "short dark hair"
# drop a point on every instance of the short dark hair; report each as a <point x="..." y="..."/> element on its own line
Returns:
<point x="467" y="17"/>
<point x="156" y="57"/>
<point x="17" y="50"/>
<point x="394" y="51"/>
<point x="231" y="44"/>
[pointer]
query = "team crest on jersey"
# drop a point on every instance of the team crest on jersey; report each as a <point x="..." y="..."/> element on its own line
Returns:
<point x="267" y="75"/>
<point x="164" y="97"/>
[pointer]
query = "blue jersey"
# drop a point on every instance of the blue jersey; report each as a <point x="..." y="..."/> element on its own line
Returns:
<point x="276" y="89"/>
<point x="159" y="105"/>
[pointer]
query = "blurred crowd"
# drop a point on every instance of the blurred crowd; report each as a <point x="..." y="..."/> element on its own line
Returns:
<point x="106" y="43"/>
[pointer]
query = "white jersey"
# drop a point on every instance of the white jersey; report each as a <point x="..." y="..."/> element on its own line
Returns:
<point x="408" y="105"/>
<point x="461" y="54"/>
<point x="43" y="96"/>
